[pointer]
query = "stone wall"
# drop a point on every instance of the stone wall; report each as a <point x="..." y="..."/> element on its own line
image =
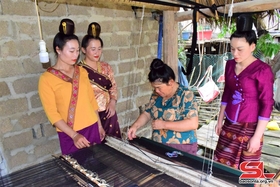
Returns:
<point x="130" y="44"/>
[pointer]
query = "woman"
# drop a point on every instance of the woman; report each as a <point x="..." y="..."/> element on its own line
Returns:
<point x="101" y="77"/>
<point x="67" y="97"/>
<point x="246" y="104"/>
<point x="172" y="108"/>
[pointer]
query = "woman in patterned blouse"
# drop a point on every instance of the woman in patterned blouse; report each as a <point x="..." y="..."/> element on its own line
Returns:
<point x="172" y="109"/>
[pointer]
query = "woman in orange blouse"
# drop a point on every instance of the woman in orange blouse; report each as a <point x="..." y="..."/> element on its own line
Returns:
<point x="67" y="97"/>
<point x="101" y="77"/>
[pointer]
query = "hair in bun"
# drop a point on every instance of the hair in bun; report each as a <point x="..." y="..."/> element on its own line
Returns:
<point x="244" y="23"/>
<point x="160" y="72"/>
<point x="93" y="33"/>
<point x="94" y="29"/>
<point x="66" y="33"/>
<point x="156" y="64"/>
<point x="67" y="27"/>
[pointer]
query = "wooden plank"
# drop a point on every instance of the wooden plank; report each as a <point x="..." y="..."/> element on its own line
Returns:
<point x="271" y="150"/>
<point x="206" y="136"/>
<point x="275" y="134"/>
<point x="271" y="163"/>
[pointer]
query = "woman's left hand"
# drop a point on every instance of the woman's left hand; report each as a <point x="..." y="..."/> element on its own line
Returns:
<point x="110" y="110"/>
<point x="101" y="132"/>
<point x="253" y="145"/>
<point x="158" y="124"/>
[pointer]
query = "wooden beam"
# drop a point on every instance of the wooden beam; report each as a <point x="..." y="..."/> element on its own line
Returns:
<point x="246" y="7"/>
<point x="111" y="3"/>
<point x="170" y="43"/>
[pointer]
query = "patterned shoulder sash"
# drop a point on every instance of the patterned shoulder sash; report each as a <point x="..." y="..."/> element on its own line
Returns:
<point x="75" y="89"/>
<point x="96" y="77"/>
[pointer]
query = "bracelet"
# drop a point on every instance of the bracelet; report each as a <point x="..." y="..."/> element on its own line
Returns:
<point x="75" y="135"/>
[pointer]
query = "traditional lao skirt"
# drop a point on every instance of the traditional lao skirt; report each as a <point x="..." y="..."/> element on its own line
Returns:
<point x="231" y="149"/>
<point x="91" y="133"/>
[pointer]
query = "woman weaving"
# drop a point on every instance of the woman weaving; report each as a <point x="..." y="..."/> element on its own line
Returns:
<point x="67" y="96"/>
<point x="102" y="80"/>
<point x="173" y="110"/>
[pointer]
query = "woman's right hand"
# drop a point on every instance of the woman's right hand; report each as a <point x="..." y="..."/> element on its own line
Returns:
<point x="131" y="133"/>
<point x="80" y="141"/>
<point x="218" y="128"/>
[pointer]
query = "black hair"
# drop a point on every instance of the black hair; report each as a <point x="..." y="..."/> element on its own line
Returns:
<point x="250" y="36"/>
<point x="160" y="70"/>
<point x="93" y="33"/>
<point x="244" y="24"/>
<point x="66" y="33"/>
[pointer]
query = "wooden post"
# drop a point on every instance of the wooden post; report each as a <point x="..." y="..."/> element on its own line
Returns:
<point x="170" y="41"/>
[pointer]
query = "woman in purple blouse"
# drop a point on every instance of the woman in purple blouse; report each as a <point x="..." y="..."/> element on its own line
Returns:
<point x="247" y="103"/>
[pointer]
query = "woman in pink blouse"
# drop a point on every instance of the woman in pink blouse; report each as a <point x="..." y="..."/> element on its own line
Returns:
<point x="247" y="103"/>
<point x="101" y="77"/>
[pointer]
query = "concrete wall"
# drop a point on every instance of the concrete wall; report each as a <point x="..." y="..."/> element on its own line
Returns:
<point x="26" y="135"/>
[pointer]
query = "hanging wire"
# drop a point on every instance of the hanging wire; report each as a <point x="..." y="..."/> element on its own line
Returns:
<point x="201" y="54"/>
<point x="54" y="7"/>
<point x="132" y="73"/>
<point x="210" y="164"/>
<point x="38" y="17"/>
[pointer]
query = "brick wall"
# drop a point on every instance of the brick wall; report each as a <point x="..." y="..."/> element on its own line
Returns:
<point x="26" y="136"/>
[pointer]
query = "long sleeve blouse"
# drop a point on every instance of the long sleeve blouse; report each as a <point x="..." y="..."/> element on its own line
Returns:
<point x="248" y="96"/>
<point x="55" y="95"/>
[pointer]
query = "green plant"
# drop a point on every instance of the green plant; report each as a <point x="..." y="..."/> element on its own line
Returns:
<point x="182" y="55"/>
<point x="225" y="29"/>
<point x="226" y="25"/>
<point x="267" y="46"/>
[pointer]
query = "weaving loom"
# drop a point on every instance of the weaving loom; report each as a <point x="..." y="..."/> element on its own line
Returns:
<point x="121" y="164"/>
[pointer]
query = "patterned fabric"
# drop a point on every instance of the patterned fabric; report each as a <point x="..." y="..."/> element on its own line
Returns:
<point x="75" y="90"/>
<point x="181" y="106"/>
<point x="249" y="95"/>
<point x="103" y="83"/>
<point x="110" y="125"/>
<point x="188" y="148"/>
<point x="105" y="89"/>
<point x="232" y="144"/>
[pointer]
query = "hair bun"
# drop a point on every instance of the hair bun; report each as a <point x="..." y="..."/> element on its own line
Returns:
<point x="244" y="22"/>
<point x="94" y="29"/>
<point x="67" y="27"/>
<point x="157" y="64"/>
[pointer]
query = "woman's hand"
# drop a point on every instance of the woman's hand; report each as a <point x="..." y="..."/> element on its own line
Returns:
<point x="80" y="141"/>
<point x="102" y="133"/>
<point x="218" y="128"/>
<point x="253" y="144"/>
<point x="131" y="133"/>
<point x="111" y="108"/>
<point x="158" y="124"/>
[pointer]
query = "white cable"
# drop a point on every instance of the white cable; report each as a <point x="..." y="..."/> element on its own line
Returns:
<point x="38" y="17"/>
<point x="43" y="55"/>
